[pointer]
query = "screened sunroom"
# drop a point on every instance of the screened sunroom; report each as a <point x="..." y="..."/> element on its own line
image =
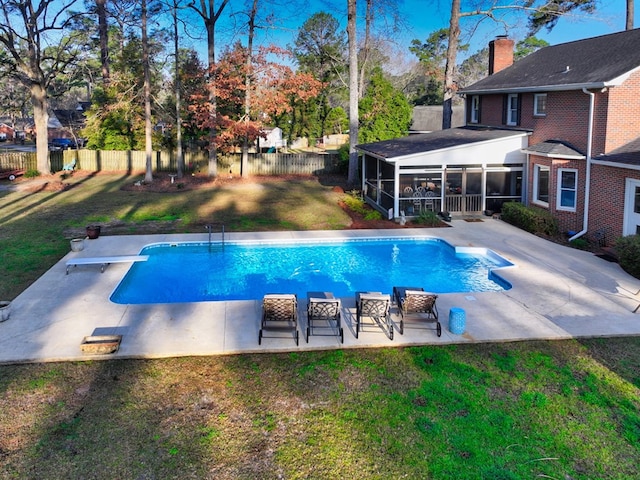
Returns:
<point x="463" y="171"/>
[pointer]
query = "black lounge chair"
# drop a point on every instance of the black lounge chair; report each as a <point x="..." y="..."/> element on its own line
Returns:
<point x="377" y="308"/>
<point x="279" y="313"/>
<point x="417" y="304"/>
<point x="323" y="315"/>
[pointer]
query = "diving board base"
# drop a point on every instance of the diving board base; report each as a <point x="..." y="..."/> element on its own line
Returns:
<point x="104" y="261"/>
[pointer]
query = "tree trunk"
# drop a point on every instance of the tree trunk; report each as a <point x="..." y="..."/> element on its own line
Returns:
<point x="178" y="87"/>
<point x="352" y="177"/>
<point x="244" y="161"/>
<point x="450" y="68"/>
<point x="41" y="120"/>
<point x="365" y="48"/>
<point x="103" y="32"/>
<point x="148" y="144"/>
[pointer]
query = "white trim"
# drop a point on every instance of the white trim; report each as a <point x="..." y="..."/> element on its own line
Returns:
<point x="536" y="169"/>
<point x="559" y="190"/>
<point x="626" y="166"/>
<point x="553" y="155"/>
<point x="419" y="158"/>
<point x="536" y="113"/>
<point x="474" y="116"/>
<point x="629" y="225"/>
<point x="509" y="121"/>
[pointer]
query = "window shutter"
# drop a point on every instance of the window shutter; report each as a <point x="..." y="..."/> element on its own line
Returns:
<point x="480" y="109"/>
<point x="519" y="108"/>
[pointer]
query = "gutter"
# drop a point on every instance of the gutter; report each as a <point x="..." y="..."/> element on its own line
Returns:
<point x="587" y="189"/>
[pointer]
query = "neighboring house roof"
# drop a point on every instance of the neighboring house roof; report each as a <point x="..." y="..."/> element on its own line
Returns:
<point x="555" y="149"/>
<point x="428" y="118"/>
<point x="595" y="62"/>
<point x="440" y="140"/>
<point x="628" y="154"/>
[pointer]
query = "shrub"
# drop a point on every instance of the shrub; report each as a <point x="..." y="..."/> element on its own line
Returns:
<point x="31" y="173"/>
<point x="628" y="250"/>
<point x="532" y="219"/>
<point x="429" y="218"/>
<point x="580" y="244"/>
<point x="343" y="158"/>
<point x="373" y="215"/>
<point x="354" y="201"/>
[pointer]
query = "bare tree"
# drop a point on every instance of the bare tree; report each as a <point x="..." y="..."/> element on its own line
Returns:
<point x="244" y="162"/>
<point x="210" y="15"/>
<point x="103" y="33"/>
<point x="178" y="87"/>
<point x="39" y="47"/>
<point x="354" y="120"/>
<point x="148" y="129"/>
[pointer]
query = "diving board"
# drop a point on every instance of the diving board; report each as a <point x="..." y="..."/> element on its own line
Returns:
<point x="104" y="261"/>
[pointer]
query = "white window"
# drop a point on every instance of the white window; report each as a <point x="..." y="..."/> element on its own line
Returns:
<point x="567" y="189"/>
<point x="540" y="104"/>
<point x="541" y="185"/>
<point x="512" y="109"/>
<point x="475" y="109"/>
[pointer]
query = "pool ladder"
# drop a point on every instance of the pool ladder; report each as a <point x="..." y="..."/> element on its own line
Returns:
<point x="209" y="229"/>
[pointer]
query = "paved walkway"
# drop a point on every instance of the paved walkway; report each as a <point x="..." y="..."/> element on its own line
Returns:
<point x="557" y="293"/>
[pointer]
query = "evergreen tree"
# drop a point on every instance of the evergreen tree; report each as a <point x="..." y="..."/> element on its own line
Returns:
<point x="385" y="112"/>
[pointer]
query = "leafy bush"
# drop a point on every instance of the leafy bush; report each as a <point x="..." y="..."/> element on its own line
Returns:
<point x="373" y="215"/>
<point x="31" y="173"/>
<point x="429" y="218"/>
<point x="343" y="158"/>
<point x="628" y="250"/>
<point x="354" y="201"/>
<point x="580" y="244"/>
<point x="532" y="219"/>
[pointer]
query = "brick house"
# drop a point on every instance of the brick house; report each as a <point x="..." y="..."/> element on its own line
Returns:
<point x="559" y="129"/>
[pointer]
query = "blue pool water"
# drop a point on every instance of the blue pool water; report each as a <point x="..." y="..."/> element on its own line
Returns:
<point x="195" y="272"/>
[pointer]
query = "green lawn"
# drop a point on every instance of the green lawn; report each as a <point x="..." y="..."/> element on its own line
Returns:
<point x="561" y="410"/>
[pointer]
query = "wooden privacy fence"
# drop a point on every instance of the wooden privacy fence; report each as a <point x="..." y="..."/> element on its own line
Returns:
<point x="197" y="162"/>
<point x="10" y="161"/>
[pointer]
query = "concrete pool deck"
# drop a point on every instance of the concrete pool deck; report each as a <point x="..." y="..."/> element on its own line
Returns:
<point x="558" y="293"/>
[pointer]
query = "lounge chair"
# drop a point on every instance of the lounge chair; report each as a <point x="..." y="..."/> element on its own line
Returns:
<point x="279" y="313"/>
<point x="417" y="304"/>
<point x="323" y="315"/>
<point x="377" y="308"/>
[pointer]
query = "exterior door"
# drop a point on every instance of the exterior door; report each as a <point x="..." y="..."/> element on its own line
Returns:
<point x="464" y="191"/>
<point x="632" y="208"/>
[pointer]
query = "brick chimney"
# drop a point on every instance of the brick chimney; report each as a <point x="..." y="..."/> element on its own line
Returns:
<point x="500" y="54"/>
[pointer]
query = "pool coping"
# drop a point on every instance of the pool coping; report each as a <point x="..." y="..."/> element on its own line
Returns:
<point x="557" y="293"/>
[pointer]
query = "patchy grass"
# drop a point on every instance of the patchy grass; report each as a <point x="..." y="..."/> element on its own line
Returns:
<point x="506" y="411"/>
<point x="523" y="410"/>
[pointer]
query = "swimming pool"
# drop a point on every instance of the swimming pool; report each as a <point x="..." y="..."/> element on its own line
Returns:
<point x="195" y="272"/>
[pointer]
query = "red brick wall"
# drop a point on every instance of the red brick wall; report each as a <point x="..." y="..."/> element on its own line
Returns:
<point x="623" y="122"/>
<point x="606" y="210"/>
<point x="500" y="54"/>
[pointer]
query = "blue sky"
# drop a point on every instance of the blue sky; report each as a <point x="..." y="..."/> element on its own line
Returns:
<point x="609" y="18"/>
<point x="421" y="17"/>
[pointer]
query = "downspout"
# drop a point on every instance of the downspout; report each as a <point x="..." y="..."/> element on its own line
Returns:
<point x="587" y="188"/>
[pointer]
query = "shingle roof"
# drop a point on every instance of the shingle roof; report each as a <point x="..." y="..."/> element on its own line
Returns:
<point x="554" y="148"/>
<point x="628" y="154"/>
<point x="429" y="142"/>
<point x="591" y="63"/>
